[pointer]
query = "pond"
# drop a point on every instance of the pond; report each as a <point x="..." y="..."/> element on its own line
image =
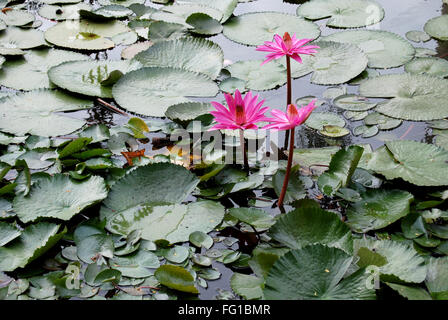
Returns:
<point x="91" y="208"/>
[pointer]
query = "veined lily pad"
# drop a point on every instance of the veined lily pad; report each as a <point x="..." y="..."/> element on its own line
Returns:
<point x="316" y="272"/>
<point x="8" y="232"/>
<point x="177" y="278"/>
<point x="230" y="85"/>
<point x="151" y="90"/>
<point x="17" y="17"/>
<point x="35" y="112"/>
<point x="305" y="226"/>
<point x="414" y="97"/>
<point x="34" y="241"/>
<point x="191" y="54"/>
<point x="67" y="12"/>
<point x="255" y="28"/>
<point x="226" y="7"/>
<point x="18" y="38"/>
<point x="188" y="111"/>
<point x="353" y="102"/>
<point x="430" y="66"/>
<point x="378" y="209"/>
<point x="417" y="36"/>
<point x="259" y="77"/>
<point x="60" y="1"/>
<point x="59" y="197"/>
<point x="153" y="186"/>
<point x="187" y="9"/>
<point x="86" y="77"/>
<point x="173" y="223"/>
<point x="438" y="27"/>
<point x="343" y="13"/>
<point x="365" y="131"/>
<point x="203" y="24"/>
<point x="381" y="121"/>
<point x="334" y="63"/>
<point x="131" y="51"/>
<point x="33" y="68"/>
<point x="109" y="12"/>
<point x="124" y="3"/>
<point x="384" y="49"/>
<point x="318" y="120"/>
<point x="85" y="35"/>
<point x="418" y="163"/>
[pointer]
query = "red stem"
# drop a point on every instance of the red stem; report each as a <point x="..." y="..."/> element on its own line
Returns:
<point x="243" y="149"/>
<point x="288" y="169"/>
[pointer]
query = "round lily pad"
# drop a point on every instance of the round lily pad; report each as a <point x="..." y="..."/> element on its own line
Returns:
<point x="186" y="10"/>
<point x="60" y="1"/>
<point x="33" y="68"/>
<point x="353" y="102"/>
<point x="417" y="36"/>
<point x="124" y="3"/>
<point x="334" y="63"/>
<point x="259" y="77"/>
<point x="431" y="66"/>
<point x="16" y="17"/>
<point x="343" y="13"/>
<point x="255" y="28"/>
<point x="198" y="55"/>
<point x="109" y="12"/>
<point x="381" y="121"/>
<point x="151" y="90"/>
<point x="131" y="51"/>
<point x="438" y="27"/>
<point x="334" y="131"/>
<point x="87" y="77"/>
<point x="384" y="49"/>
<point x="226" y="7"/>
<point x="318" y="120"/>
<point x="355" y="115"/>
<point x="188" y="111"/>
<point x="413" y="97"/>
<point x="18" y="38"/>
<point x="59" y="197"/>
<point x="85" y="35"/>
<point x="66" y="12"/>
<point x="231" y="84"/>
<point x="39" y="113"/>
<point x="204" y="24"/>
<point x="365" y="131"/>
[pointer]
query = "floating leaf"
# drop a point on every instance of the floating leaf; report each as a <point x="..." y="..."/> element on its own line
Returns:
<point x="105" y="13"/>
<point x="316" y="272"/>
<point x="257" y="218"/>
<point x="176" y="278"/>
<point x="318" y="120"/>
<point x="365" y="131"/>
<point x="247" y="286"/>
<point x="413" y="97"/>
<point x="197" y="55"/>
<point x="34" y="241"/>
<point x="417" y="36"/>
<point x="378" y="209"/>
<point x="33" y="68"/>
<point x="16" y="18"/>
<point x="438" y="27"/>
<point x="18" y="38"/>
<point x="224" y="6"/>
<point x="430" y="66"/>
<point x="381" y="121"/>
<point x="92" y="248"/>
<point x="353" y="102"/>
<point x="151" y="90"/>
<point x="305" y="226"/>
<point x="255" y="28"/>
<point x="37" y="112"/>
<point x="66" y="12"/>
<point x="343" y="13"/>
<point x="173" y="223"/>
<point x="203" y="24"/>
<point x="136" y="264"/>
<point x="384" y="49"/>
<point x="8" y="232"/>
<point x="59" y="197"/>
<point x="188" y="111"/>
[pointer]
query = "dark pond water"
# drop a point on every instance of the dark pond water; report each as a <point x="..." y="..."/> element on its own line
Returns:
<point x="401" y="16"/>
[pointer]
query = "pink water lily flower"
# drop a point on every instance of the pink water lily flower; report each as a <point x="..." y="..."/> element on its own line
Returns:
<point x="292" y="118"/>
<point x="242" y="113"/>
<point x="291" y="47"/>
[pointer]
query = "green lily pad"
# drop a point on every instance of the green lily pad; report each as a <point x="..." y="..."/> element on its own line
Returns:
<point x="188" y="111"/>
<point x="105" y="13"/>
<point x="413" y="97"/>
<point x="316" y="272"/>
<point x="418" y="163"/>
<point x="424" y="52"/>
<point x="226" y="7"/>
<point x="334" y="63"/>
<point x="33" y="68"/>
<point x="343" y="13"/>
<point x="353" y="102"/>
<point x="257" y="218"/>
<point x="66" y="12"/>
<point x="124" y="3"/>
<point x="136" y="264"/>
<point x="318" y="120"/>
<point x="151" y="90"/>
<point x="438" y="27"/>
<point x="59" y="197"/>
<point x="231" y="84"/>
<point x="410" y="292"/>
<point x="187" y="9"/>
<point x="436" y="278"/>
<point x="60" y="1"/>
<point x="197" y="55"/>
<point x="255" y="28"/>
<point x="87" y="77"/>
<point x="365" y="131"/>
<point x="173" y="223"/>
<point x="378" y="209"/>
<point x="247" y="286"/>
<point x="334" y="131"/>
<point x="305" y="226"/>
<point x="8" y="232"/>
<point x="417" y="36"/>
<point x="150" y="184"/>
<point x="259" y="77"/>
<point x="176" y="278"/>
<point x="34" y="241"/>
<point x="38" y="113"/>
<point x="381" y="121"/>
<point x="203" y="24"/>
<point x="85" y="35"/>
<point x="17" y="17"/>
<point x="430" y="66"/>
<point x="403" y="262"/>
<point x="384" y="49"/>
<point x="18" y="38"/>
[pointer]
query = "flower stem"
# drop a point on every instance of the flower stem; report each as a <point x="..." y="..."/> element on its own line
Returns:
<point x="243" y="149"/>
<point x="288" y="91"/>
<point x="288" y="169"/>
